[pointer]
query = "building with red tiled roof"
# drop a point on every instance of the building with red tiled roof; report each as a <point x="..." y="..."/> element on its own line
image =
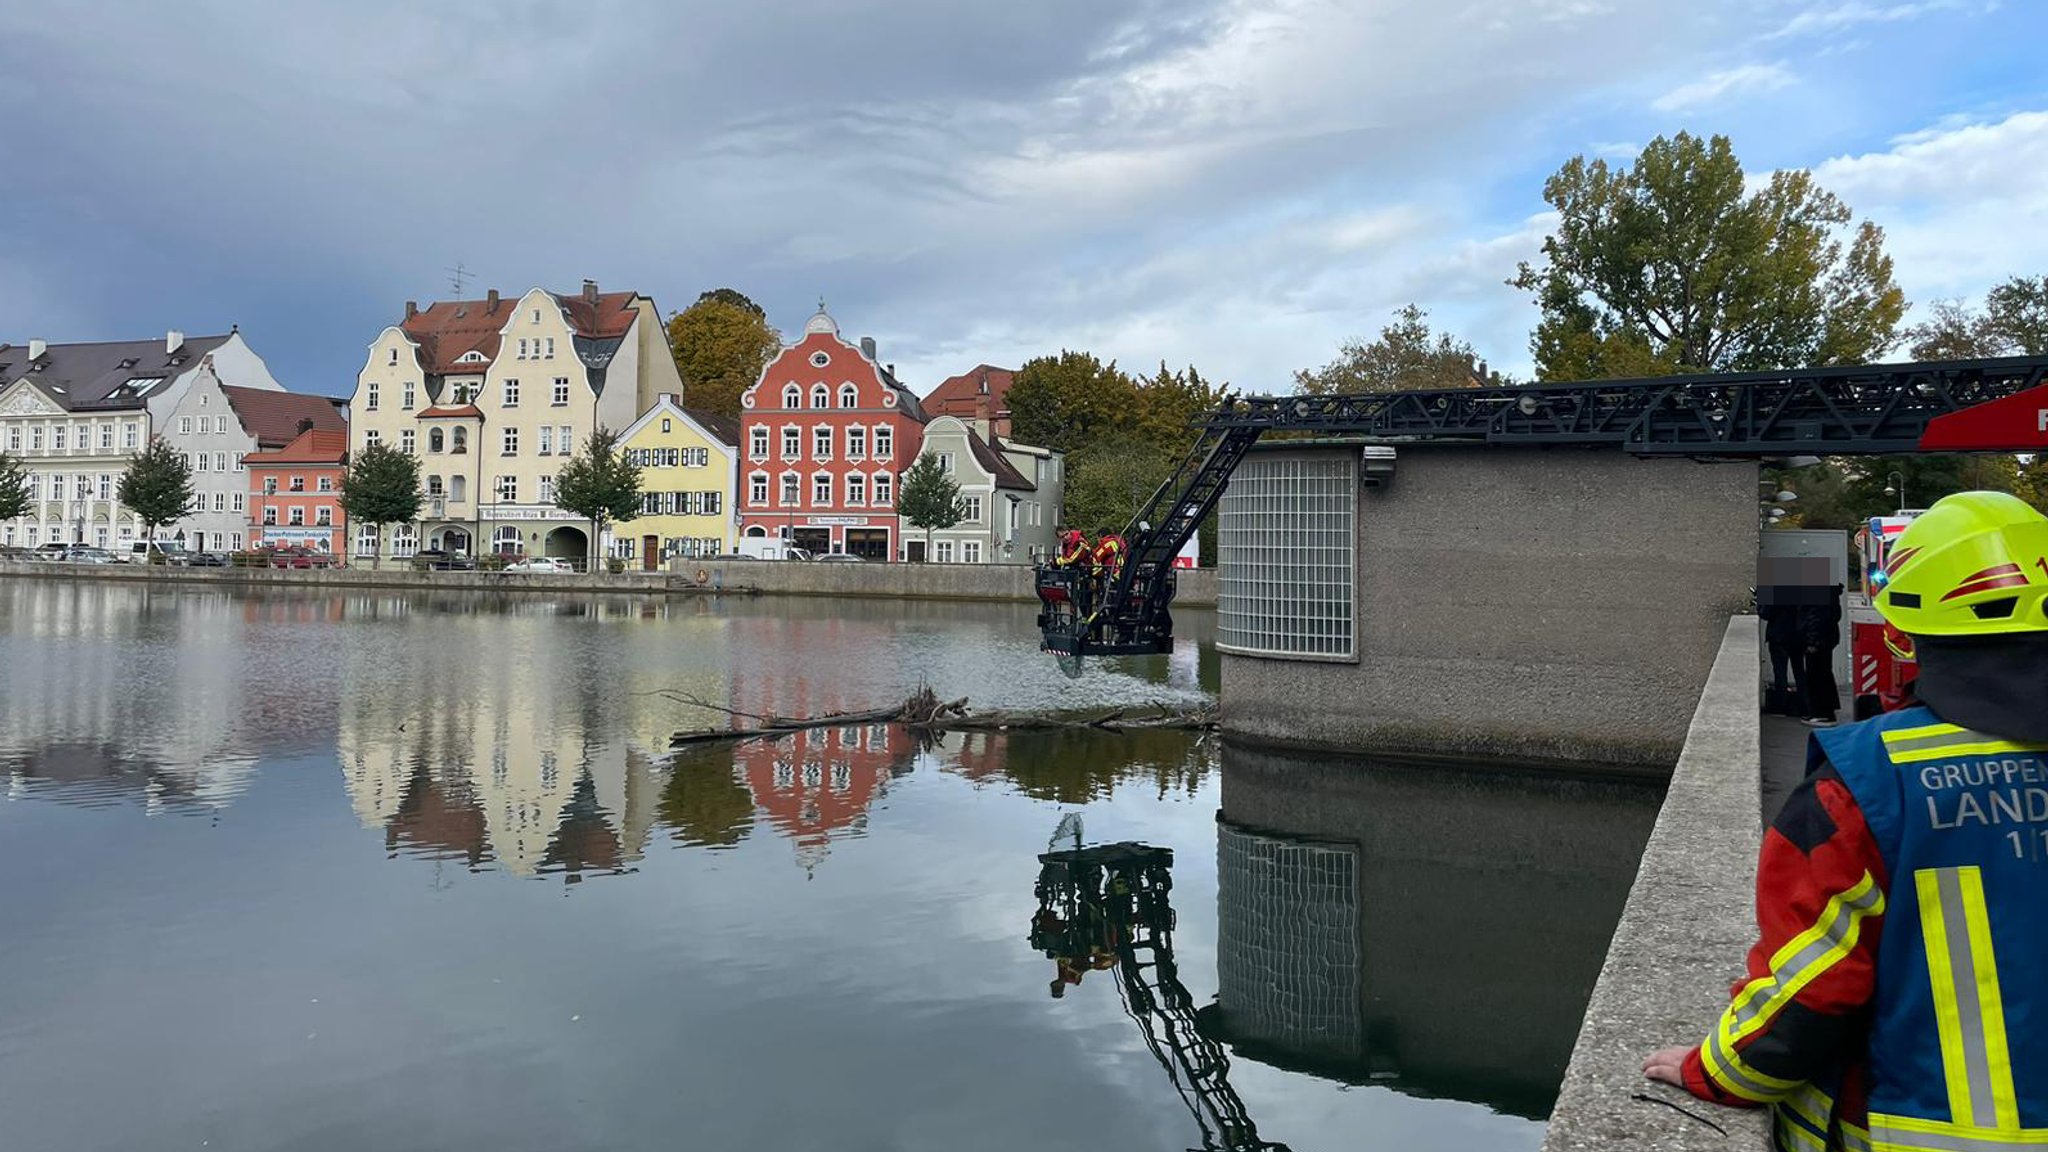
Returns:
<point x="295" y="491"/>
<point x="828" y="433"/>
<point x="978" y="394"/>
<point x="494" y="396"/>
<point x="217" y="425"/>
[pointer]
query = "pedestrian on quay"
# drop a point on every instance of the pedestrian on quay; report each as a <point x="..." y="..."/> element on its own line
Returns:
<point x="1818" y="625"/>
<point x="1897" y="998"/>
<point x="1787" y="694"/>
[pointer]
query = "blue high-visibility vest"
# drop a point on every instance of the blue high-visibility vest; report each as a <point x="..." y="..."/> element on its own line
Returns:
<point x="1959" y="1028"/>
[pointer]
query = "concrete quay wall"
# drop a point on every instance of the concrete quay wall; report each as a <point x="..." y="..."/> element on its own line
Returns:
<point x="1558" y="605"/>
<point x="1689" y="919"/>
<point x="395" y="576"/>
<point x="1003" y="582"/>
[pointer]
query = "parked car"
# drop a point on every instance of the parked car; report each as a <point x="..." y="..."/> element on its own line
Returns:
<point x="148" y="551"/>
<point x="16" y="552"/>
<point x="839" y="558"/>
<point x="539" y="566"/>
<point x="299" y="556"/>
<point x="54" y="550"/>
<point x="209" y="560"/>
<point x="437" y="560"/>
<point x="85" y="554"/>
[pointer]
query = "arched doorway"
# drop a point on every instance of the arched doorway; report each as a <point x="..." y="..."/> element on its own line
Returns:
<point x="454" y="540"/>
<point x="568" y="544"/>
<point x="756" y="532"/>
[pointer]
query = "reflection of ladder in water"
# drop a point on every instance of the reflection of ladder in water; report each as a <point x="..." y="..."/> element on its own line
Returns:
<point x="1128" y="884"/>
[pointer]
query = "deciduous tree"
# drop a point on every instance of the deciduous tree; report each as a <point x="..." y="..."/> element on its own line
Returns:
<point x="157" y="486"/>
<point x="1407" y="355"/>
<point x="1672" y="264"/>
<point x="929" y="499"/>
<point x="600" y="483"/>
<point x="1066" y="402"/>
<point x="381" y="486"/>
<point x="721" y="343"/>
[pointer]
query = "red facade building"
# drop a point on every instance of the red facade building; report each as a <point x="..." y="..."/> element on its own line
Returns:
<point x="826" y="436"/>
<point x="295" y="493"/>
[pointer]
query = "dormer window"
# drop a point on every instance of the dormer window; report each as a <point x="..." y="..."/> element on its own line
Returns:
<point x="394" y="357"/>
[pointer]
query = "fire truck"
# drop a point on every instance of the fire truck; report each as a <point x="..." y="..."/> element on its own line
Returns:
<point x="1996" y="405"/>
<point x="1878" y="671"/>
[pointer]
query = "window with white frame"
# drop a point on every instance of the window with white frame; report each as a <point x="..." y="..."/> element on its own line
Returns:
<point x="298" y="484"/>
<point x="366" y="536"/>
<point x="945" y="460"/>
<point x="547" y="489"/>
<point x="408" y="440"/>
<point x="856" y="489"/>
<point x="405" y="398"/>
<point x="131" y="435"/>
<point x="323" y="516"/>
<point x="970" y="551"/>
<point x="14" y="439"/>
<point x="821" y="443"/>
<point x="269" y="514"/>
<point x="458" y="489"/>
<point x="270" y="485"/>
<point x="856" y="443"/>
<point x="298" y="517"/>
<point x="565" y="440"/>
<point x="511" y="393"/>
<point x="792" y="442"/>
<point x="884" y="486"/>
<point x="510" y="443"/>
<point x="220" y="501"/>
<point x="792" y="396"/>
<point x="184" y="429"/>
<point x="57" y="433"/>
<point x="885" y="442"/>
<point x="434" y="489"/>
<point x="551" y="347"/>
<point x="35" y="438"/>
<point x="107" y="488"/>
<point x="547" y="440"/>
<point x="106" y="437"/>
<point x="1286" y="543"/>
<point x="203" y="462"/>
<point x="522" y="348"/>
<point x="971" y="508"/>
<point x="234" y="539"/>
<point x="235" y="502"/>
<point x="849" y="396"/>
<point x="458" y="440"/>
<point x="241" y="461"/>
<point x="508" y="489"/>
<point x="370" y="396"/>
<point x="791" y="489"/>
<point x="821" y="490"/>
<point x="757" y="488"/>
<point x="505" y="540"/>
<point x="942" y="551"/>
<point x="371" y="437"/>
<point x="405" y="540"/>
<point x="326" y="484"/>
<point x="560" y="398"/>
<point x="757" y="443"/>
<point x="821" y="396"/>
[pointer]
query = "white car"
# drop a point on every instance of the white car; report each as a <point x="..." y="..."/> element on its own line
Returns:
<point x="538" y="566"/>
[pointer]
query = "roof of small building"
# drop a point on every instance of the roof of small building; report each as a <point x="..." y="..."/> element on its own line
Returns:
<point x="274" y="418"/>
<point x="957" y="395"/>
<point x="725" y="428"/>
<point x="451" y="412"/>
<point x="319" y="446"/>
<point x="992" y="461"/>
<point x="114" y="374"/>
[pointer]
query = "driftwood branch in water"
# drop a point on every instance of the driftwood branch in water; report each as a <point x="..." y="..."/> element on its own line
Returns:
<point x="924" y="711"/>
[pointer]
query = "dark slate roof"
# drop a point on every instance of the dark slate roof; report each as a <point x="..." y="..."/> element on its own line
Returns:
<point x="724" y="427"/>
<point x="906" y="400"/>
<point x="273" y="417"/>
<point x="997" y="465"/>
<point x="113" y="375"/>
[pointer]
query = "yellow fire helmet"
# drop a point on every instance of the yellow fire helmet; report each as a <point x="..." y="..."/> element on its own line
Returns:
<point x="1975" y="564"/>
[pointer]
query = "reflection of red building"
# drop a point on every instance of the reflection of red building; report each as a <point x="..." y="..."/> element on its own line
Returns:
<point x="814" y="786"/>
<point x="826" y="434"/>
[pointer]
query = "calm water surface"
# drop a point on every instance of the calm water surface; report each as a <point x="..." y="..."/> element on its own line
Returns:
<point x="290" y="869"/>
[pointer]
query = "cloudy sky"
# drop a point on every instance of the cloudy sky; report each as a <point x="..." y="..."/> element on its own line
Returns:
<point x="1240" y="184"/>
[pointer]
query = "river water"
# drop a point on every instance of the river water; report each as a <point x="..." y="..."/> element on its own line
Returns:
<point x="291" y="869"/>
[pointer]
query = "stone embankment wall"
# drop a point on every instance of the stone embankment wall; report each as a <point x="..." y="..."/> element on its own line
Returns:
<point x="966" y="582"/>
<point x="1006" y="582"/>
<point x="1680" y="944"/>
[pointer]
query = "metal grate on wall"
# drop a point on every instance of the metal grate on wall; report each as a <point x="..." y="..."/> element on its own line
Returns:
<point x="1288" y="966"/>
<point x="1286" y="548"/>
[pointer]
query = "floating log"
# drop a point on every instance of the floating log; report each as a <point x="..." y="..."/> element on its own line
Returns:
<point x="924" y="711"/>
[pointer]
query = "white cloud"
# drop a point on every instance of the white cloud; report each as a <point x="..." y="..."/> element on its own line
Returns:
<point x="1835" y="18"/>
<point x="1961" y="204"/>
<point x="1748" y="78"/>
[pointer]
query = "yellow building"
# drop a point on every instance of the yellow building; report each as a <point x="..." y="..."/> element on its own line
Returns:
<point x="689" y="469"/>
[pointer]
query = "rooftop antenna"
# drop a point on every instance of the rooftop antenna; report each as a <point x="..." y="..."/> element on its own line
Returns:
<point x="457" y="277"/>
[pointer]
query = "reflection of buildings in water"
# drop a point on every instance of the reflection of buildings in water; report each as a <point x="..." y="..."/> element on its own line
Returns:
<point x="1437" y="928"/>
<point x="115" y="690"/>
<point x="512" y="760"/>
<point x="1075" y="766"/>
<point x="816" y="786"/>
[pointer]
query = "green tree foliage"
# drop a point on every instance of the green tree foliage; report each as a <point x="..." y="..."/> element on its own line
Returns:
<point x="1843" y="492"/>
<point x="1407" y="355"/>
<point x="1069" y="401"/>
<point x="929" y="498"/>
<point x="2018" y="311"/>
<point x="600" y="484"/>
<point x="14" y="499"/>
<point x="721" y="343"/>
<point x="381" y="486"/>
<point x="704" y="800"/>
<point x="1671" y="265"/>
<point x="157" y="486"/>
<point x="2013" y="322"/>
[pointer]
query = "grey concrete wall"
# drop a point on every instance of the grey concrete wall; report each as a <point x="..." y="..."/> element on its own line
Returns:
<point x="1689" y="920"/>
<point x="1559" y="605"/>
<point x="1012" y="582"/>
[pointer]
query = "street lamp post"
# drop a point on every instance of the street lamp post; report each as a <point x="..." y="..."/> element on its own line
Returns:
<point x="1895" y="485"/>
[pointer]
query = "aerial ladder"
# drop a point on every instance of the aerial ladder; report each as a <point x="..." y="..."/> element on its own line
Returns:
<point x="1107" y="906"/>
<point x="1997" y="405"/>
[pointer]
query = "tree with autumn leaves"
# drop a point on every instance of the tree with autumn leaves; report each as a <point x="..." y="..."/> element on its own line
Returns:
<point x="721" y="343"/>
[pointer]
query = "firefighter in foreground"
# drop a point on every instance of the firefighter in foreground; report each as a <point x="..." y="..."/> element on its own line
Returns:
<point x="1898" y="997"/>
